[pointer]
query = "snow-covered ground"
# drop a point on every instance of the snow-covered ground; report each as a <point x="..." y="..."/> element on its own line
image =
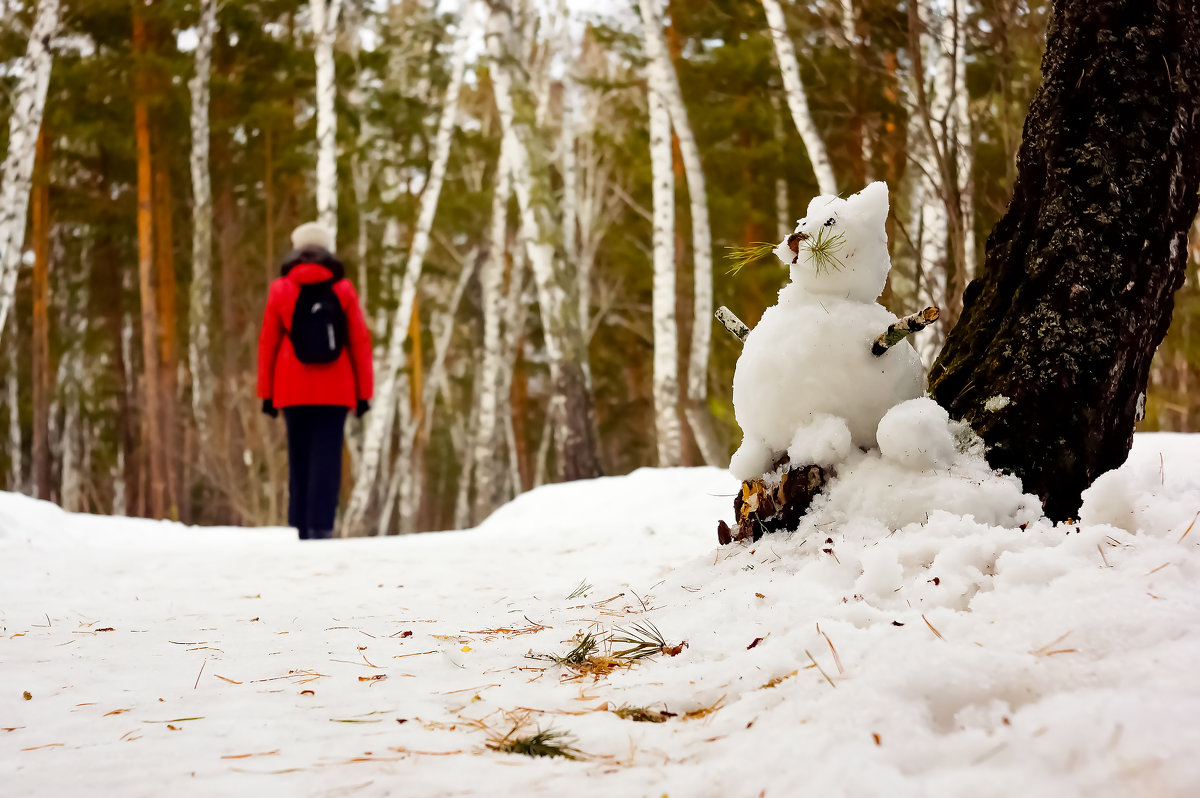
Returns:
<point x="912" y="640"/>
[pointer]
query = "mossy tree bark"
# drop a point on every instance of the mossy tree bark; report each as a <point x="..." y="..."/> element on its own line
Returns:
<point x="1050" y="359"/>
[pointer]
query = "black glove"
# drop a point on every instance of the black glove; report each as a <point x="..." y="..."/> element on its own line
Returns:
<point x="270" y="409"/>
<point x="363" y="407"/>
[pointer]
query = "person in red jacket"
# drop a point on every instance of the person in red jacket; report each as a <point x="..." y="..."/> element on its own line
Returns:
<point x="314" y="364"/>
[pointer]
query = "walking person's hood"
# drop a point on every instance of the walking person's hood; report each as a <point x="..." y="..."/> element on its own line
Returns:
<point x="312" y="264"/>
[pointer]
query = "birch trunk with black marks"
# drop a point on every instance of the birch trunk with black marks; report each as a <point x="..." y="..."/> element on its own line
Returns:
<point x="16" y="173"/>
<point x="1050" y="358"/>
<point x="797" y="97"/>
<point x="74" y="391"/>
<point x="571" y="402"/>
<point x="515" y="314"/>
<point x="491" y="278"/>
<point x="200" y="294"/>
<point x="416" y="435"/>
<point x="666" y="330"/>
<point x="325" y="15"/>
<point x="384" y="406"/>
<point x="662" y="78"/>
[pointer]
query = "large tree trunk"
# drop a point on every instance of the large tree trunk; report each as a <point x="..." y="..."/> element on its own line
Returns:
<point x="200" y="304"/>
<point x="666" y="331"/>
<point x="28" y="102"/>
<point x="1050" y="359"/>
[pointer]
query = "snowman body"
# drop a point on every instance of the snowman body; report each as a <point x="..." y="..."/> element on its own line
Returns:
<point x="806" y="382"/>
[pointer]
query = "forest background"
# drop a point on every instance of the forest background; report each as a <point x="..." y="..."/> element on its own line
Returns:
<point x="516" y="210"/>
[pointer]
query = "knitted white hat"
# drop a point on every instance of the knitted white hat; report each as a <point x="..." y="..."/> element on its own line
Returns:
<point x="312" y="234"/>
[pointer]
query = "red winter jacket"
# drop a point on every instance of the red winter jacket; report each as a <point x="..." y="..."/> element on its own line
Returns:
<point x="282" y="378"/>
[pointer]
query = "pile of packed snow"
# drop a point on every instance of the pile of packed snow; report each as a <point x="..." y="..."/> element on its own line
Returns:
<point x="924" y="632"/>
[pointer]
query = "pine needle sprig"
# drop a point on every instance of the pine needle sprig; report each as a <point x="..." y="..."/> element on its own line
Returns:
<point x="543" y="742"/>
<point x="643" y="640"/>
<point x="822" y="249"/>
<point x="741" y="257"/>
<point x="581" y="591"/>
<point x="585" y="647"/>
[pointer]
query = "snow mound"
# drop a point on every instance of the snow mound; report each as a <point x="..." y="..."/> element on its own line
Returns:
<point x="923" y="633"/>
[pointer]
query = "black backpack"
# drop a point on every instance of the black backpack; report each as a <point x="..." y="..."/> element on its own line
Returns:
<point x="318" y="324"/>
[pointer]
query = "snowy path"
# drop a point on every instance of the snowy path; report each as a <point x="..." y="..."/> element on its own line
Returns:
<point x="971" y="658"/>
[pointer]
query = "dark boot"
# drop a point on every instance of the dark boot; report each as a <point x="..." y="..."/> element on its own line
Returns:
<point x="320" y="534"/>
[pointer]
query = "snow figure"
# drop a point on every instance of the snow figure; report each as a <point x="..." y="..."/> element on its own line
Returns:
<point x="807" y="382"/>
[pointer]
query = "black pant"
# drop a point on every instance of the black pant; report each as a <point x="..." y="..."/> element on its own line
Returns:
<point x="314" y="434"/>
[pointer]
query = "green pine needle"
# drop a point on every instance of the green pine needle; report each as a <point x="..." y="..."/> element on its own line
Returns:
<point x="585" y="647"/>
<point x="581" y="591"/>
<point x="644" y="640"/>
<point x="543" y="742"/>
<point x="741" y="257"/>
<point x="822" y="250"/>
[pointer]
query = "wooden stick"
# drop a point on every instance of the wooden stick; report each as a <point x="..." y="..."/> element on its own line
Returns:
<point x="732" y="323"/>
<point x="903" y="328"/>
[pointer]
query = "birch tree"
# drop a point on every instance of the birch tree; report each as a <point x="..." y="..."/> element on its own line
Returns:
<point x="419" y="427"/>
<point x="944" y="148"/>
<point x="200" y="305"/>
<point x="557" y="290"/>
<point x="663" y="80"/>
<point x="16" y="173"/>
<point x="74" y="390"/>
<point x="797" y="98"/>
<point x="380" y="419"/>
<point x="666" y="332"/>
<point x="490" y="278"/>
<point x="325" y="15"/>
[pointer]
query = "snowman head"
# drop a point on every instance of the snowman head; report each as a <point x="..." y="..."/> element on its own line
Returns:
<point x="840" y="247"/>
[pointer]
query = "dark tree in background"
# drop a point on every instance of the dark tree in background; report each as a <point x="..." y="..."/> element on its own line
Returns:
<point x="1050" y="359"/>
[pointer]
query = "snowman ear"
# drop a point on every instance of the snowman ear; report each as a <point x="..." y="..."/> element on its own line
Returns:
<point x="872" y="202"/>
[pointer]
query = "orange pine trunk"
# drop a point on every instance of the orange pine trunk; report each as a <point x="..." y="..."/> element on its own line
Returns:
<point x="42" y="368"/>
<point x="152" y="450"/>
